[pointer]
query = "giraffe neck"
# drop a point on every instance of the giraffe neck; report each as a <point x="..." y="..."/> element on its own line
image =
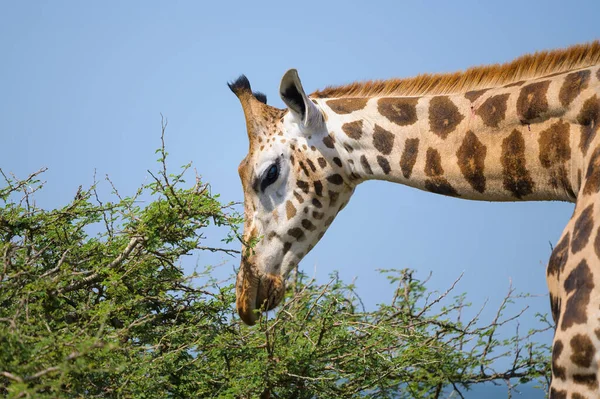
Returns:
<point x="522" y="141"/>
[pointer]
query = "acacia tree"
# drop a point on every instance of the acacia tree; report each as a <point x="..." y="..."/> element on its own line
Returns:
<point x="94" y="302"/>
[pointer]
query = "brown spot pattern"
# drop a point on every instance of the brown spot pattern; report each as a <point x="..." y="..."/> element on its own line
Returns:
<point x="308" y="225"/>
<point x="311" y="165"/>
<point x="583" y="350"/>
<point x="322" y="162"/>
<point x="588" y="118"/>
<point x="471" y="158"/>
<point x="582" y="229"/>
<point x="532" y="101"/>
<point x="580" y="283"/>
<point x="353" y="129"/>
<point x="493" y="110"/>
<point x="474" y="94"/>
<point x="354" y="176"/>
<point x="556" y="394"/>
<point x="443" y="116"/>
<point x="433" y="168"/>
<point x="557" y="371"/>
<point x="286" y="247"/>
<point x="343" y="106"/>
<point x="271" y="235"/>
<point x="409" y="156"/>
<point x="433" y="163"/>
<point x="333" y="198"/>
<point x="554" y="144"/>
<point x="318" y="187"/>
<point x="317" y="203"/>
<point x="329" y="141"/>
<point x="586" y="379"/>
<point x="399" y="110"/>
<point x="558" y="259"/>
<point x="383" y="140"/>
<point x="440" y="185"/>
<point x="303" y="167"/>
<point x="318" y="215"/>
<point x="555" y="302"/>
<point x="302" y="185"/>
<point x="592" y="175"/>
<point x="365" y="164"/>
<point x="573" y="85"/>
<point x="384" y="164"/>
<point x="335" y="179"/>
<point x="290" y="210"/>
<point x="516" y="177"/>
<point x="337" y="161"/>
<point x="297" y="233"/>
<point x="555" y="150"/>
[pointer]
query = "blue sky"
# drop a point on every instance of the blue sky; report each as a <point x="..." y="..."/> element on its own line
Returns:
<point x="83" y="85"/>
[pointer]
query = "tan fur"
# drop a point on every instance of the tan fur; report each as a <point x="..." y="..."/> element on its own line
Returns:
<point x="525" y="67"/>
<point x="523" y="141"/>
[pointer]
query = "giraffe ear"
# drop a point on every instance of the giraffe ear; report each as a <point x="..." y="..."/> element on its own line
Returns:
<point x="297" y="101"/>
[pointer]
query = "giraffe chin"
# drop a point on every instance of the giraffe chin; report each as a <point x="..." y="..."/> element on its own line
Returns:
<point x="257" y="291"/>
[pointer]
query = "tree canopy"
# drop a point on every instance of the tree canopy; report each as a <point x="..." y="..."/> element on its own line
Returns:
<point x="95" y="302"/>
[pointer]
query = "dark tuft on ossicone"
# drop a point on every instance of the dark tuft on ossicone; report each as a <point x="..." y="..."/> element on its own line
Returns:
<point x="262" y="97"/>
<point x="240" y="85"/>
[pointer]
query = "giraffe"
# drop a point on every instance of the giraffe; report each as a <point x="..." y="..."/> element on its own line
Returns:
<point x="522" y="131"/>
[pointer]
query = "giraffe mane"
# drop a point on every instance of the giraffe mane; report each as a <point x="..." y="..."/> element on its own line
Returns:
<point x="527" y="66"/>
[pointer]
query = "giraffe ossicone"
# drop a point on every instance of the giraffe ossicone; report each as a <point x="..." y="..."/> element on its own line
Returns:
<point x="523" y="131"/>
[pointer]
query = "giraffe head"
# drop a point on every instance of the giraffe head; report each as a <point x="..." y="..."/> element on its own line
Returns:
<point x="294" y="184"/>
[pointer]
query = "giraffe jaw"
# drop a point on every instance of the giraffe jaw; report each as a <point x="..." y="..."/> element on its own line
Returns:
<point x="255" y="290"/>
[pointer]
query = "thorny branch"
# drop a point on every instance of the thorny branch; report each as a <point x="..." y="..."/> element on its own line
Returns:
<point x="95" y="277"/>
<point x="436" y="327"/>
<point x="122" y="294"/>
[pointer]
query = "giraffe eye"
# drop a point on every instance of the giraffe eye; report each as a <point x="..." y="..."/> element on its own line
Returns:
<point x="271" y="176"/>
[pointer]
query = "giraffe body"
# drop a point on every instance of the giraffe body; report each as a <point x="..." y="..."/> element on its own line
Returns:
<point x="523" y="131"/>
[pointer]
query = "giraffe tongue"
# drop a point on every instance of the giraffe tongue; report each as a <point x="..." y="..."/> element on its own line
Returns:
<point x="256" y="291"/>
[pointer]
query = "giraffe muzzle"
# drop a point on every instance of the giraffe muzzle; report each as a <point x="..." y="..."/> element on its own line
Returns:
<point x="255" y="290"/>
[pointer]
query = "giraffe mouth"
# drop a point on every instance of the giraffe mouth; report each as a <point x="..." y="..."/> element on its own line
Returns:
<point x="255" y="290"/>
